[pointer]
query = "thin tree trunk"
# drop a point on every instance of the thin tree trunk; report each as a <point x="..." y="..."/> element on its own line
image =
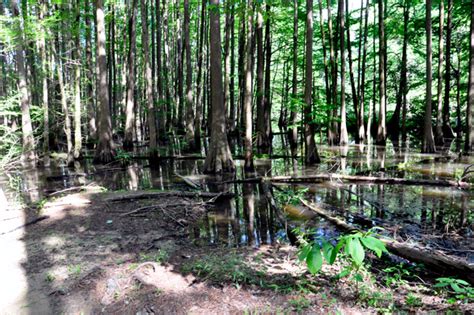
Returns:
<point x="260" y="82"/>
<point x="199" y="85"/>
<point x="130" y="104"/>
<point x="447" y="130"/>
<point x="189" y="87"/>
<point x="439" y="124"/>
<point x="233" y="108"/>
<point x="91" y="112"/>
<point x="77" y="87"/>
<point x="28" y="145"/>
<point x="428" y="138"/>
<point x="227" y="30"/>
<point x="219" y="158"/>
<point x="332" y="127"/>
<point x="326" y="67"/>
<point x="153" y="148"/>
<point x="45" y="95"/>
<point x="105" y="148"/>
<point x="159" y="72"/>
<point x="311" y="152"/>
<point x="267" y="103"/>
<point x="469" y="142"/>
<point x="294" y="89"/>
<point x="361" y="85"/>
<point x="381" y="129"/>
<point x="355" y="95"/>
<point x="344" y="138"/>
<point x="248" y="91"/>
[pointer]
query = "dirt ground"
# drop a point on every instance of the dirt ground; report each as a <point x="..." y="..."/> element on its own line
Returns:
<point x="92" y="255"/>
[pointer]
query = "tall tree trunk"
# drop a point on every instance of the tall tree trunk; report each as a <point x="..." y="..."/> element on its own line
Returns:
<point x="44" y="75"/>
<point x="248" y="90"/>
<point x="105" y="147"/>
<point x="311" y="152"/>
<point x="189" y="76"/>
<point x="469" y="142"/>
<point x="381" y="129"/>
<point x="439" y="124"/>
<point x="332" y="127"/>
<point x="149" y="97"/>
<point x="159" y="72"/>
<point x="458" y="96"/>
<point x="219" y="158"/>
<point x="199" y="85"/>
<point x="130" y="103"/>
<point x="428" y="138"/>
<point x="77" y="86"/>
<point x="294" y="88"/>
<point x="91" y="112"/>
<point x="28" y="142"/>
<point x="267" y="103"/>
<point x="355" y="95"/>
<point x="344" y="138"/>
<point x="227" y="31"/>
<point x="361" y="84"/>
<point x="447" y="130"/>
<point x="326" y="68"/>
<point x="260" y="82"/>
<point x="404" y="78"/>
<point x="394" y="122"/>
<point x="233" y="108"/>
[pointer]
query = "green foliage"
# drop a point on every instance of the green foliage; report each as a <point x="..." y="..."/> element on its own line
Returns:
<point x="457" y="289"/>
<point x="413" y="300"/>
<point x="395" y="275"/>
<point x="351" y="248"/>
<point x="299" y="303"/>
<point x="123" y="156"/>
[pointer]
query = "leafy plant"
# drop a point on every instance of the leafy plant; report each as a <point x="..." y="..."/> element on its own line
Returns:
<point x="395" y="275"/>
<point x="291" y="196"/>
<point x="458" y="289"/>
<point x="413" y="300"/>
<point x="299" y="303"/>
<point x="351" y="246"/>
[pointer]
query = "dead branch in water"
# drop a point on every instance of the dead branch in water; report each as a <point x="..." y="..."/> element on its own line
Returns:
<point x="369" y="179"/>
<point x="431" y="258"/>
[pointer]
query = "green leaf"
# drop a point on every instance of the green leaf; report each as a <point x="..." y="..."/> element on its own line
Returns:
<point x="303" y="253"/>
<point x="356" y="250"/>
<point x="327" y="251"/>
<point x="374" y="244"/>
<point x="314" y="260"/>
<point x="336" y="250"/>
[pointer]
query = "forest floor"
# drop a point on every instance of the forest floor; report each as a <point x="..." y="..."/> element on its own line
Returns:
<point x="91" y="255"/>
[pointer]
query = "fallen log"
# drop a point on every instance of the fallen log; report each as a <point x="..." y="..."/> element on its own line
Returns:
<point x="369" y="179"/>
<point x="163" y="194"/>
<point x="431" y="258"/>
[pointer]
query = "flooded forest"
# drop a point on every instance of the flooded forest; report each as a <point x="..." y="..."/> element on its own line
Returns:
<point x="236" y="156"/>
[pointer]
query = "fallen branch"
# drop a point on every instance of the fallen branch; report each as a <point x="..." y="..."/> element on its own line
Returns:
<point x="164" y="194"/>
<point x="431" y="258"/>
<point x="188" y="181"/>
<point x="370" y="179"/>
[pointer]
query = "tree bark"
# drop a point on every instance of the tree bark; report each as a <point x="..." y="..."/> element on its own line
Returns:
<point x="77" y="86"/>
<point x="28" y="141"/>
<point x="267" y="103"/>
<point x="469" y="141"/>
<point x="344" y="138"/>
<point x="45" y="92"/>
<point x="105" y="148"/>
<point x="439" y="124"/>
<point x="332" y="123"/>
<point x="189" y="87"/>
<point x="260" y="82"/>
<point x="248" y="90"/>
<point x="219" y="158"/>
<point x="447" y="130"/>
<point x="311" y="151"/>
<point x="428" y="138"/>
<point x="381" y="129"/>
<point x="326" y="67"/>
<point x="130" y="103"/>
<point x="361" y="86"/>
<point x="91" y="112"/>
<point x="149" y="97"/>
<point x="199" y="85"/>
<point x="294" y="89"/>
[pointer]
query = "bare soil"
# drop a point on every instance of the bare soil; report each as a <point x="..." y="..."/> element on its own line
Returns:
<point x="91" y="256"/>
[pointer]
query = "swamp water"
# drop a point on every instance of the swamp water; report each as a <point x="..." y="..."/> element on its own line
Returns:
<point x="439" y="217"/>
